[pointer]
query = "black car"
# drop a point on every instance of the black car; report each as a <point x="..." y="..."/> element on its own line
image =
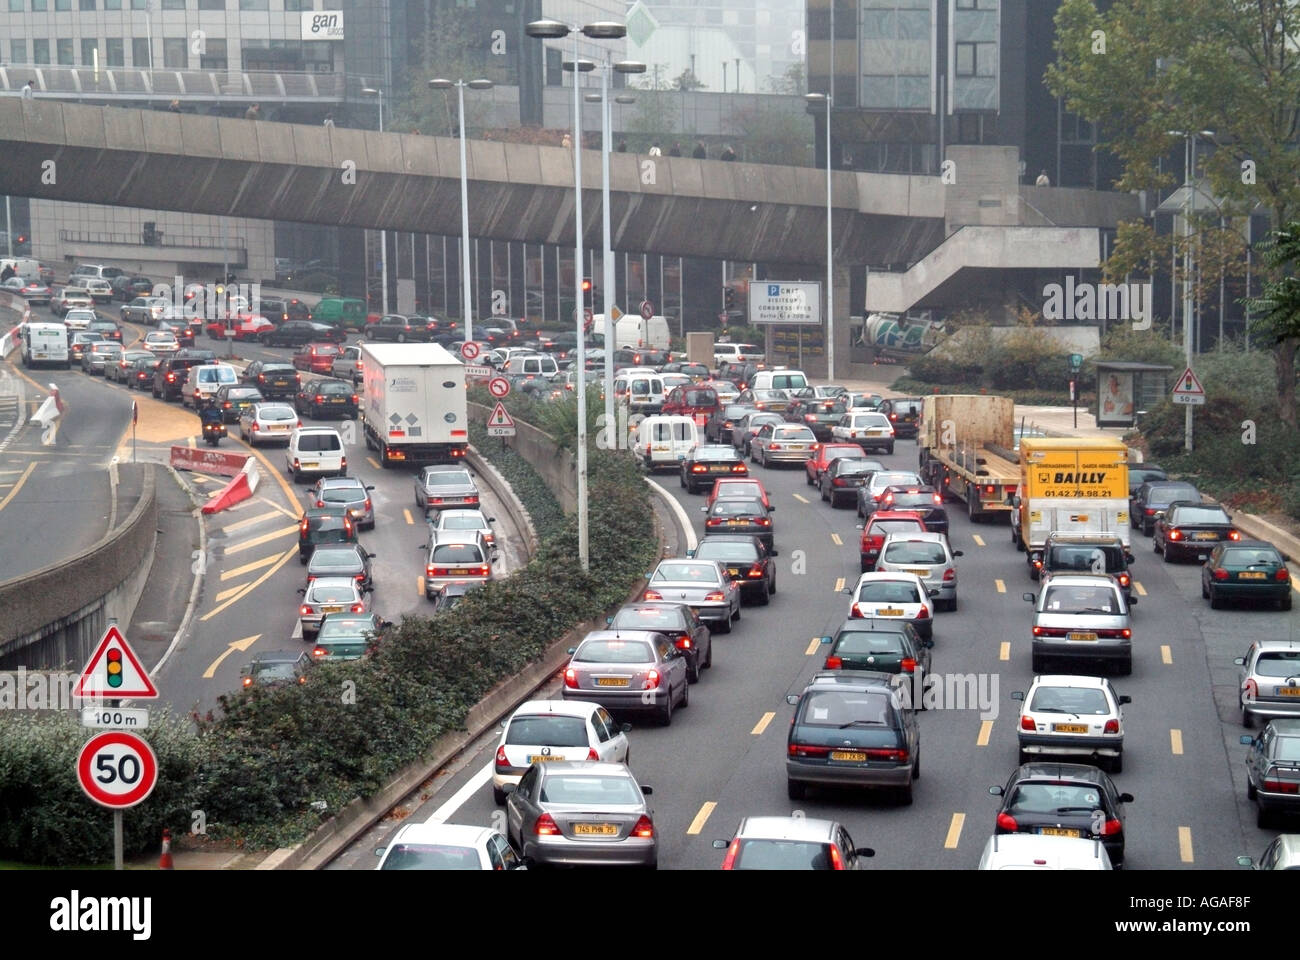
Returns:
<point x="275" y="379"/>
<point x="746" y="560"/>
<point x="840" y="481"/>
<point x="126" y="288"/>
<point x="717" y="429"/>
<point x="276" y="668"/>
<point x="326" y="398"/>
<point x="924" y="499"/>
<point x="320" y="525"/>
<point x="1191" y="529"/>
<point x="140" y="375"/>
<point x="1140" y="473"/>
<point x="676" y="621"/>
<point x="297" y="333"/>
<point x="233" y="401"/>
<point x="399" y="329"/>
<point x="706" y="462"/>
<point x="1064" y="800"/>
<point x="105" y="328"/>
<point x="281" y="310"/>
<point x="741" y="516"/>
<point x="1273" y="769"/>
<point x="185" y="331"/>
<point x="1088" y="553"/>
<point x="874" y="643"/>
<point x="818" y="414"/>
<point x="904" y="414"/>
<point x="169" y="376"/>
<point x="342" y="560"/>
<point x="1153" y="497"/>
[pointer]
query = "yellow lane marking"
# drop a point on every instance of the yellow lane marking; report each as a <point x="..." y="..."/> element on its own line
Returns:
<point x="1185" y="844"/>
<point x="374" y="463"/>
<point x="835" y="539"/>
<point x="240" y="524"/>
<point x="812" y="647"/>
<point x="1004" y="651"/>
<point x="986" y="730"/>
<point x="1295" y="582"/>
<point x="701" y="818"/>
<point x="250" y="567"/>
<point x="801" y="499"/>
<point x="419" y="585"/>
<point x="762" y="724"/>
<point x="1176" y="742"/>
<point x="979" y="541"/>
<point x="1142" y="591"/>
<point x="1002" y="587"/>
<point x="274" y="506"/>
<point x="240" y="645"/>
<point x="839" y="584"/>
<point x="251" y="587"/>
<point x="230" y="592"/>
<point x="1166" y="654"/>
<point x="17" y="486"/>
<point x="954" y="831"/>
<point x="264" y="538"/>
<point x="407" y="514"/>
<point x="199" y="478"/>
<point x="190" y="441"/>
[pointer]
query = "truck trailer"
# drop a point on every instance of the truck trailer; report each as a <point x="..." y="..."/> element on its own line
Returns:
<point x="967" y="450"/>
<point x="413" y="403"/>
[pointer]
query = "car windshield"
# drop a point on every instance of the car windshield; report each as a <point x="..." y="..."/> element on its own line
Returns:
<point x="649" y="618"/>
<point x="1087" y="559"/>
<point x="548" y="731"/>
<point x="1051" y="798"/>
<point x="1200" y="515"/>
<point x="1083" y="599"/>
<point x="905" y="501"/>
<point x="841" y="708"/>
<point x="463" y="522"/>
<point x="727" y="551"/>
<point x="427" y="856"/>
<point x="869" y="642"/>
<point x="1169" y="492"/>
<point x="590" y="790"/>
<point x="781" y="855"/>
<point x="615" y="651"/>
<point x="736" y="508"/>
<point x="457" y="553"/>
<point x="334" y="560"/>
<point x="276" y="413"/>
<point x="1074" y="700"/>
<point x="889" y="591"/>
<point x="879" y="527"/>
<point x="266" y="672"/>
<point x="882" y="480"/>
<point x="447" y="478"/>
<point x="345" y="628"/>
<point x="318" y="442"/>
<point x="916" y="551"/>
<point x="1250" y="557"/>
<point x="1278" y="663"/>
<point x="701" y="572"/>
<point x="792" y="433"/>
<point x="329" y="593"/>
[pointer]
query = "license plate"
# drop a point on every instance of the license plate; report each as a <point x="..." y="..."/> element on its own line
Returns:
<point x="1059" y="832"/>
<point x="919" y="573"/>
<point x="595" y="830"/>
<point x="720" y="468"/>
<point x="543" y="758"/>
<point x="853" y="756"/>
<point x="1069" y="728"/>
<point x="1206" y="536"/>
<point x="1288" y="691"/>
<point x="875" y="433"/>
<point x="1081" y="636"/>
<point x="280" y="383"/>
<point x="330" y="609"/>
<point x="308" y="465"/>
<point x="733" y="572"/>
<point x="339" y="400"/>
<point x="795" y="446"/>
<point x="278" y="428"/>
<point x="460" y="572"/>
<point x="1252" y="575"/>
<point x="889" y="612"/>
<point x="612" y="681"/>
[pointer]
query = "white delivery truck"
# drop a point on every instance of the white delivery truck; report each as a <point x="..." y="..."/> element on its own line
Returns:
<point x="413" y="403"/>
<point x="636" y="332"/>
<point x="45" y="343"/>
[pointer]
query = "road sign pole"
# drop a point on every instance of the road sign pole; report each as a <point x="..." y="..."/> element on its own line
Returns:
<point x="117" y="840"/>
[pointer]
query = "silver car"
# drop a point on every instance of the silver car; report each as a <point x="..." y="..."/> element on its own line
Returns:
<point x="553" y="731"/>
<point x="628" y="671"/>
<point x="703" y="585"/>
<point x="791" y="843"/>
<point x="1082" y="617"/>
<point x="782" y="441"/>
<point x="330" y="595"/>
<point x="927" y="555"/>
<point x="264" y="422"/>
<point x="1273" y="770"/>
<point x="439" y="487"/>
<point x="456" y="556"/>
<point x="97" y="356"/>
<point x="1269" y="680"/>
<point x="347" y="492"/>
<point x="464" y="520"/>
<point x="582" y="814"/>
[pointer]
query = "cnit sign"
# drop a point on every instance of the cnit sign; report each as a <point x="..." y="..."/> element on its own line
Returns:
<point x="322" y="26"/>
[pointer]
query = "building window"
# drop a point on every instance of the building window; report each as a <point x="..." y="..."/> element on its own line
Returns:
<point x="17" y="51"/>
<point x="139" y="4"/>
<point x="62" y="4"/>
<point x="112" y="4"/>
<point x="40" y="6"/>
<point x="86" y="5"/>
<point x="965" y="59"/>
<point x="173" y="4"/>
<point x="40" y="51"/>
<point x="214" y="56"/>
<point x="140" y="52"/>
<point x="66" y="56"/>
<point x="88" y="48"/>
<point x="175" y="54"/>
<point x="15" y="6"/>
<point x="113" y="55"/>
<point x="254" y="5"/>
<point x="212" y="4"/>
<point x="293" y="6"/>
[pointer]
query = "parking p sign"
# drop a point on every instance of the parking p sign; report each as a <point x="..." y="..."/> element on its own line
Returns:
<point x="786" y="302"/>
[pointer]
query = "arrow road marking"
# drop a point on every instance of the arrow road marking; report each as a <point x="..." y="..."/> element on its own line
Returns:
<point x="240" y="645"/>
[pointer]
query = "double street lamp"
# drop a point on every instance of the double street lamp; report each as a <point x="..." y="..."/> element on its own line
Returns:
<point x="830" y="272"/>
<point x="383" y="234"/>
<point x="601" y="30"/>
<point x="460" y="85"/>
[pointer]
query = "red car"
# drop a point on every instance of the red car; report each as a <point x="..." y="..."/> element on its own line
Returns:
<point x="317" y="357"/>
<point x="694" y="401"/>
<point x="881" y="523"/>
<point x="821" y="460"/>
<point x="742" y="488"/>
<point x="247" y="327"/>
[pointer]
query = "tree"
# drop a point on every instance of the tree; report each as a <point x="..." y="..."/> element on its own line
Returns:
<point x="792" y="83"/>
<point x="687" y="80"/>
<point x="772" y="134"/>
<point x="1280" y="300"/>
<point x="451" y="51"/>
<point x="1147" y="67"/>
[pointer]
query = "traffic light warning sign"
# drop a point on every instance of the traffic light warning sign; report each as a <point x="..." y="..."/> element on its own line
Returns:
<point x="114" y="672"/>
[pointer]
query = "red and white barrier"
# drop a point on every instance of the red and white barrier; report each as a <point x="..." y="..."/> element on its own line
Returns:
<point x="208" y="461"/>
<point x="241" y="488"/>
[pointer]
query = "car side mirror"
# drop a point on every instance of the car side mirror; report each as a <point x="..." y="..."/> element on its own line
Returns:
<point x="1133" y="602"/>
<point x="995" y="791"/>
<point x="1245" y="862"/>
<point x="302" y="590"/>
<point x="690" y="552"/>
<point x="860" y="526"/>
<point x="370" y="556"/>
<point x="1239" y="661"/>
<point x="771" y="509"/>
<point x="509" y="788"/>
<point x="704" y="509"/>
<point x="1160" y="514"/>
<point x="1246" y="740"/>
<point x="927" y="643"/>
<point x="1018" y="695"/>
<point x="572" y="651"/>
<point x="385" y="624"/>
<point x="1028" y="597"/>
<point x="379" y="851"/>
<point x="825" y="640"/>
<point x="1126" y="798"/>
<point x="792" y="699"/>
<point x="647" y="791"/>
<point x="723" y="844"/>
<point x="958" y="553"/>
<point x="933" y="592"/>
<point x="609" y="621"/>
<point x="492" y="519"/>
<point x="864" y="852"/>
<point x="847" y="591"/>
<point x="625" y="728"/>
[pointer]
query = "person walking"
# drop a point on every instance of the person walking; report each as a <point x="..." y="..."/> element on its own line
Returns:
<point x="174" y="106"/>
<point x="655" y="151"/>
<point x="1042" y="180"/>
<point x="676" y="150"/>
<point x="27" y="90"/>
<point x="254" y="112"/>
<point x="622" y="146"/>
<point x="567" y="142"/>
<point x="699" y="153"/>
<point x="728" y="153"/>
<point x="329" y="119"/>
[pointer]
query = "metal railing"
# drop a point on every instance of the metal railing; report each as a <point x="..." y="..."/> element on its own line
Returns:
<point x="187" y="86"/>
<point x="163" y="240"/>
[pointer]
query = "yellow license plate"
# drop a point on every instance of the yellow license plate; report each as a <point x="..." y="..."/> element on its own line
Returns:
<point x="889" y="612"/>
<point x="595" y="830"/>
<point x="795" y="446"/>
<point x="1070" y="728"/>
<point x="1288" y="691"/>
<point x="1206" y="536"/>
<point x="460" y="572"/>
<point x="1059" y="832"/>
<point x="1081" y="636"/>
<point x="331" y="609"/>
<point x="919" y="573"/>
<point x="611" y="681"/>
<point x="278" y="428"/>
<point x="1252" y="575"/>
<point x="737" y="523"/>
<point x="849" y="755"/>
<point x="543" y="758"/>
<point x="311" y="464"/>
<point x="733" y="572"/>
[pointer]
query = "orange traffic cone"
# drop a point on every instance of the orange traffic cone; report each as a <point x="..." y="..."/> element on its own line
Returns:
<point x="165" y="861"/>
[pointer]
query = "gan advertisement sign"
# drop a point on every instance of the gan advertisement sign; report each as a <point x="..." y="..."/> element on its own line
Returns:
<point x="322" y="25"/>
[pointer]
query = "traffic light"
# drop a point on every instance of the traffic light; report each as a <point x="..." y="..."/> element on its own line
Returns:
<point x="586" y="292"/>
<point x="114" y="667"/>
<point x="729" y="297"/>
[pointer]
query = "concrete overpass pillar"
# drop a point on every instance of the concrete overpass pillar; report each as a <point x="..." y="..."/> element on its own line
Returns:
<point x="842" y="309"/>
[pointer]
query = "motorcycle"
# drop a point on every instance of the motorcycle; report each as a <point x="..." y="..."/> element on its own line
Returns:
<point x="213" y="432"/>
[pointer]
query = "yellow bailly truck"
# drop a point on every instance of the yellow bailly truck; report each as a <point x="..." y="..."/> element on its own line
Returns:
<point x="1069" y="485"/>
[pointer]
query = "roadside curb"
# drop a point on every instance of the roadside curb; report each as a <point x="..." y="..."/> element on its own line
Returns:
<point x="519" y="514"/>
<point x="192" y="605"/>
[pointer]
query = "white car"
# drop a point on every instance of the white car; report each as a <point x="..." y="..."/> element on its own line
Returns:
<point x="315" y="451"/>
<point x="1032" y="851"/>
<point x="869" y="430"/>
<point x="929" y="556"/>
<point x="447" y="846"/>
<point x="540" y="731"/>
<point x="871" y="492"/>
<point x="101" y="291"/>
<point x="898" y="596"/>
<point x="263" y="422"/>
<point x="79" y="318"/>
<point x="330" y="595"/>
<point x="161" y="342"/>
<point x="461" y="520"/>
<point x="1072" y="716"/>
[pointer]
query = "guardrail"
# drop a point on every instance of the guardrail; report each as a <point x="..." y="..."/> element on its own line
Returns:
<point x="163" y="240"/>
<point x="187" y="86"/>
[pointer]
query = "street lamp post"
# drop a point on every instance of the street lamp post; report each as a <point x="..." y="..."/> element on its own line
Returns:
<point x="830" y="270"/>
<point x="1189" y="164"/>
<point x="601" y="30"/>
<point x="383" y="234"/>
<point x="466" y="304"/>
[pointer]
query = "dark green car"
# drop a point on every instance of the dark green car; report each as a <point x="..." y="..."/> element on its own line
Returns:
<point x="1246" y="570"/>
<point x="347" y="636"/>
<point x="886" y="646"/>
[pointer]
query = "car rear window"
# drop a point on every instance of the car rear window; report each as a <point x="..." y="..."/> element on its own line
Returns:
<point x="1250" y="557"/>
<point x="615" y="651"/>
<point x="1077" y="700"/>
<point x="266" y="672"/>
<point x="906" y="501"/>
<point x="715" y="453"/>
<point x="907" y="406"/>
<point x="276" y="413"/>
<point x="1168" y="493"/>
<point x="597" y="790"/>
<point x="882" y="480"/>
<point x="1200" y="515"/>
<point x="916" y="551"/>
<point x="781" y="855"/>
<point x="342" y="494"/>
<point x="426" y="856"/>
<point x="334" y="560"/>
<point x="889" y="591"/>
<point x="848" y="467"/>
<point x="736" y="508"/>
<point x="319" y="442"/>
<point x="784" y="381"/>
<point x="328" y="593"/>
<point x="701" y="398"/>
<point x="703" y="572"/>
<point x="1278" y="663"/>
<point x="733" y="490"/>
<point x="548" y="731"/>
<point x="1080" y="599"/>
<point x="870" y="420"/>
<point x="869" y="642"/>
<point x="1087" y="559"/>
<point x="446" y="478"/>
<point x="835" y="708"/>
<point x="464" y="522"/>
<point x="457" y="553"/>
<point x="1063" y="798"/>
<point x="727" y="551"/>
<point x="894" y="526"/>
<point x="649" y="618"/>
<point x="792" y="433"/>
<point x="345" y="627"/>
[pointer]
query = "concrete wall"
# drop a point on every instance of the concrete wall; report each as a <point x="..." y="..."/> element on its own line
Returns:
<point x="52" y="618"/>
<point x="556" y="467"/>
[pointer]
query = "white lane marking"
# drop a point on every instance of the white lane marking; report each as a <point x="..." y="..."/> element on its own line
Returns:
<point x="691" y="540"/>
<point x="472" y="786"/>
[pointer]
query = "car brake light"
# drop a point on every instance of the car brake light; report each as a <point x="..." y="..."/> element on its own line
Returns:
<point x="367" y="503"/>
<point x="305" y="610"/>
<point x="355" y="398"/>
<point x="651" y="680"/>
<point x="731" y="854"/>
<point x="837" y="862"/>
<point x="644" y="828"/>
<point x="807" y="750"/>
<point x="698" y="468"/>
<point x="1281" y="786"/>
<point x="1112" y="726"/>
<point x="1111" y="828"/>
<point x="1282" y="574"/>
<point x="358" y="608"/>
<point x="763" y="521"/>
<point x="811" y="417"/>
<point x="1007" y="822"/>
<point x="923" y="613"/>
<point x="255" y="426"/>
<point x="834" y="663"/>
<point x="949" y="574"/>
<point x="855" y="611"/>
<point x="1027" y="723"/>
<point x="343" y="461"/>
<point x="319" y="398"/>
<point x="1221" y="574"/>
<point x="1174" y="533"/>
<point x="761" y="406"/>
<point x="545" y="826"/>
<point x="716" y="596"/>
<point x="1150" y="511"/>
<point x="684" y="643"/>
<point x="320" y="503"/>
<point x="756" y="570"/>
<point x="652" y="595"/>
<point x="302" y="525"/>
<point x="571" y="678"/>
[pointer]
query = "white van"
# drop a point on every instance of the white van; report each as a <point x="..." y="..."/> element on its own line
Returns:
<point x="779" y="379"/>
<point x="46" y="343"/>
<point x="23" y="267"/>
<point x="636" y="332"/>
<point x="531" y="365"/>
<point x="663" y="442"/>
<point x="642" y="392"/>
<point x="317" y="451"/>
<point x="203" y="381"/>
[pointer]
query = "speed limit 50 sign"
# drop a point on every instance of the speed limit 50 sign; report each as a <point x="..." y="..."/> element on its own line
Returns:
<point x="117" y="769"/>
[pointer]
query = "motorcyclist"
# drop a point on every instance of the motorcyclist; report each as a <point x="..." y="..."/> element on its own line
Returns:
<point x="210" y="416"/>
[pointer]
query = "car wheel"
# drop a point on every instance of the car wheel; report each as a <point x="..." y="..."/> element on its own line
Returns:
<point x="499" y="796"/>
<point x="773" y="588"/>
<point x="1126" y="668"/>
<point x="686" y="693"/>
<point x="1215" y="602"/>
<point x="1147" y="530"/>
<point x="889" y="449"/>
<point x="1251" y="792"/>
<point x="681" y="477"/>
<point x="905" y="795"/>
<point x="693" y="674"/>
<point x="1284" y="603"/>
<point x="808" y="479"/>
<point x="765" y="597"/>
<point x="666" y="712"/>
<point x="156" y="394"/>
<point x="1262" y="817"/>
<point x="297" y="476"/>
<point x="708" y="660"/>
<point x="1247" y="719"/>
<point x="1023" y="758"/>
<point x="401" y="338"/>
<point x="952" y="605"/>
<point x="1115" y="764"/>
<point x="795" y="790"/>
<point x="1155" y="548"/>
<point x="1036" y="663"/>
<point x="724" y="626"/>
<point x="1205" y="593"/>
